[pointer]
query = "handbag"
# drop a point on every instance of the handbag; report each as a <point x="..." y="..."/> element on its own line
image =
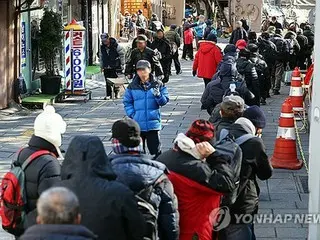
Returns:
<point x="287" y="75"/>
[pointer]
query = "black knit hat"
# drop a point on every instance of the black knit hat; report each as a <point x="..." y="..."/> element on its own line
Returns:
<point x="230" y="48"/>
<point x="212" y="37"/>
<point x="127" y="131"/>
<point x="256" y="116"/>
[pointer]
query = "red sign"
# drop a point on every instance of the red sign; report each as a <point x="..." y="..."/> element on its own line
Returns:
<point x="77" y="39"/>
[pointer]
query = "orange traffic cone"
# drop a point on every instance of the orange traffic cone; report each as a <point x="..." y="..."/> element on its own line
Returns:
<point x="285" y="149"/>
<point x="296" y="92"/>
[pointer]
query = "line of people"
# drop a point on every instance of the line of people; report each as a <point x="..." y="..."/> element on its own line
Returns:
<point x="160" y="53"/>
<point x="127" y="195"/>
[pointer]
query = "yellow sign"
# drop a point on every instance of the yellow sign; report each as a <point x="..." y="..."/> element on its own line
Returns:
<point x="75" y="26"/>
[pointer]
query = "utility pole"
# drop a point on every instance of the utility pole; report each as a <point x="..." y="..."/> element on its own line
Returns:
<point x="314" y="162"/>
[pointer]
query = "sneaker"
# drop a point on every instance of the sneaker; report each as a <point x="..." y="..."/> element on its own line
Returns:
<point x="276" y="92"/>
<point x="263" y="101"/>
<point x="178" y="73"/>
<point x="268" y="95"/>
<point x="107" y="98"/>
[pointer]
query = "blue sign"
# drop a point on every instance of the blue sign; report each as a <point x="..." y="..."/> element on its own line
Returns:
<point x="23" y="44"/>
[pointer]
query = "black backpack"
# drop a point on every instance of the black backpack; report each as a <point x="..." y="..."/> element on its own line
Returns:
<point x="229" y="146"/>
<point x="149" y="211"/>
<point x="268" y="50"/>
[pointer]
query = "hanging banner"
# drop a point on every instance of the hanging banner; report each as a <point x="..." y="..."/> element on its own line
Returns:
<point x="23" y="45"/>
<point x="75" y="56"/>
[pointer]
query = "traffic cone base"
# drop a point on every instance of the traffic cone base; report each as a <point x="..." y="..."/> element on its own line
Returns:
<point x="278" y="163"/>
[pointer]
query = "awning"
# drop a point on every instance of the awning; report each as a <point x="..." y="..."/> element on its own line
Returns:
<point x="306" y="2"/>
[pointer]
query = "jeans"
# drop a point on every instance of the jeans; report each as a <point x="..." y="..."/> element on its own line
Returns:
<point x="238" y="232"/>
<point x="152" y="140"/>
<point x="277" y="75"/>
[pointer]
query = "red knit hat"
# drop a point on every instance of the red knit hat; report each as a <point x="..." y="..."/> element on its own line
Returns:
<point x="201" y="131"/>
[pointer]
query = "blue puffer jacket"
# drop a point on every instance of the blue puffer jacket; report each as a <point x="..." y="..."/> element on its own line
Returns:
<point x="199" y="29"/>
<point x="141" y="105"/>
<point x="138" y="172"/>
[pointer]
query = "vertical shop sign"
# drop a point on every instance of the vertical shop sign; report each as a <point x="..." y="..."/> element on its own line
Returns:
<point x="75" y="56"/>
<point x="23" y="45"/>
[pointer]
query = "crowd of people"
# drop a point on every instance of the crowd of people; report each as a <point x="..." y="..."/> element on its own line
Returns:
<point x="161" y="195"/>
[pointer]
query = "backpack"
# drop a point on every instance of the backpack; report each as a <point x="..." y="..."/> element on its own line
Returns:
<point x="149" y="211"/>
<point x="268" y="50"/>
<point x="290" y="45"/>
<point x="229" y="146"/>
<point x="13" y="198"/>
<point x="140" y="21"/>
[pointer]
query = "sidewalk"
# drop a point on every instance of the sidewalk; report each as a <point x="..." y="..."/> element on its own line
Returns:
<point x="283" y="193"/>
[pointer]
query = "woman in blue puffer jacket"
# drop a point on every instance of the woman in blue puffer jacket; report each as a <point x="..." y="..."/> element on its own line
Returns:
<point x="142" y="101"/>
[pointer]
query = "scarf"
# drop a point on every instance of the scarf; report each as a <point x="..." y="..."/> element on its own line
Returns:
<point x="187" y="145"/>
<point x="118" y="148"/>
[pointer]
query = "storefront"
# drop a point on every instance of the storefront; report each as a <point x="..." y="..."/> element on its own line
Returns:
<point x="31" y="64"/>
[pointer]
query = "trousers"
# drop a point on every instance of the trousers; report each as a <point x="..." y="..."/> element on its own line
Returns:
<point x="151" y="139"/>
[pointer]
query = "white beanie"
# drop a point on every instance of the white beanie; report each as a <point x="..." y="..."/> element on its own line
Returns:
<point x="247" y="125"/>
<point x="49" y="125"/>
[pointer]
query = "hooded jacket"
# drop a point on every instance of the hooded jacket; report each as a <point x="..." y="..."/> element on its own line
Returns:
<point x="112" y="57"/>
<point x="196" y="183"/>
<point x="147" y="54"/>
<point x="108" y="208"/>
<point x="207" y="59"/>
<point x="247" y="69"/>
<point x="41" y="174"/>
<point x="255" y="163"/>
<point x="138" y="173"/>
<point x="141" y="105"/>
<point x="58" y="232"/>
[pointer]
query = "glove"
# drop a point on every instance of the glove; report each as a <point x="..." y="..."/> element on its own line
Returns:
<point x="194" y="73"/>
<point x="129" y="76"/>
<point x="156" y="92"/>
<point x="160" y="78"/>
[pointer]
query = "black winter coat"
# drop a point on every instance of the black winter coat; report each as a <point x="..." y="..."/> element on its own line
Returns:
<point x="41" y="174"/>
<point x="282" y="47"/>
<point x="147" y="54"/>
<point x="112" y="57"/>
<point x="237" y="34"/>
<point x="268" y="50"/>
<point x="214" y="173"/>
<point x="304" y="46"/>
<point x="310" y="35"/>
<point x="58" y="232"/>
<point x="108" y="208"/>
<point x="248" y="70"/>
<point x="138" y="173"/>
<point x="163" y="46"/>
<point x="276" y="24"/>
<point x="255" y="163"/>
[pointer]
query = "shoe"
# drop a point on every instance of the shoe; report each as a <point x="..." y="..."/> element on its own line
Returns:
<point x="276" y="92"/>
<point x="268" y="95"/>
<point x="178" y="73"/>
<point x="107" y="98"/>
<point x="263" y="102"/>
<point x="184" y="59"/>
